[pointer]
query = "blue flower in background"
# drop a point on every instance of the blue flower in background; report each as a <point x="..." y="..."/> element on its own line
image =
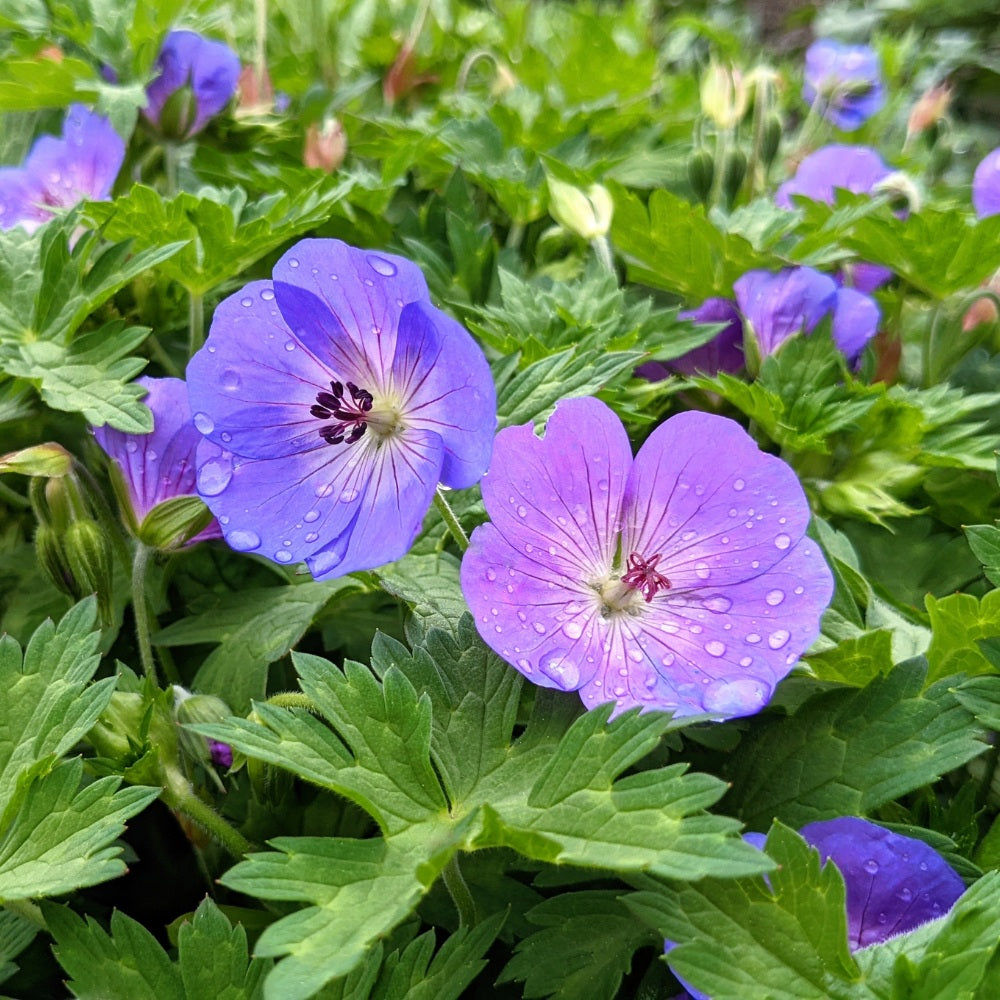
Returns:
<point x="844" y="82"/>
<point x="986" y="185"/>
<point x="723" y="353"/>
<point x="680" y="580"/>
<point x="795" y="300"/>
<point x="893" y="883"/>
<point x="333" y="400"/>
<point x="60" y="172"/>
<point x="197" y="79"/>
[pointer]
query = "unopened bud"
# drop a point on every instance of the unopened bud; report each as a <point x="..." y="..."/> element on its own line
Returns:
<point x="504" y="82"/>
<point x="701" y="173"/>
<point x="256" y="93"/>
<point x="930" y="109"/>
<point x="201" y="709"/>
<point x="179" y="113"/>
<point x="88" y="552"/>
<point x="53" y="561"/>
<point x="171" y="524"/>
<point x="770" y="140"/>
<point x="723" y="95"/>
<point x="902" y="192"/>
<point x="734" y="170"/>
<point x="49" y="459"/>
<point x="586" y="213"/>
<point x="325" y="146"/>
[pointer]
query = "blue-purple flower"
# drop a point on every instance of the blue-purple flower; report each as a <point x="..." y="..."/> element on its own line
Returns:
<point x="158" y="466"/>
<point x="986" y="185"/>
<point x="723" y="353"/>
<point x="681" y="580"/>
<point x="893" y="883"/>
<point x="795" y="300"/>
<point x="333" y="401"/>
<point x="60" y="172"/>
<point x="197" y="79"/>
<point x="844" y="82"/>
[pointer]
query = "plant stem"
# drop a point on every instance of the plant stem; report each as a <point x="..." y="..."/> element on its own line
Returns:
<point x="458" y="889"/>
<point x="179" y="795"/>
<point x="13" y="498"/>
<point x="451" y="522"/>
<point x="603" y="251"/>
<point x="196" y="322"/>
<point x="140" y="609"/>
<point x="170" y="168"/>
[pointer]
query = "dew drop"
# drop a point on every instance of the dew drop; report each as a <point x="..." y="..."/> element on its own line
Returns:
<point x="688" y="535"/>
<point x="718" y="603"/>
<point x="349" y="495"/>
<point x="883" y="917"/>
<point x="311" y="536"/>
<point x="775" y="597"/>
<point x="746" y="661"/>
<point x="636" y="656"/>
<point x="310" y="515"/>
<point x="132" y="447"/>
<point x="602" y="485"/>
<point x="572" y="630"/>
<point x="491" y="575"/>
<point x="226" y="437"/>
<point x="905" y="894"/>
<point x="289" y="345"/>
<point x="230" y="379"/>
<point x="702" y="571"/>
<point x="243" y="541"/>
<point x="267" y="295"/>
<point x="522" y="511"/>
<point x="246" y="302"/>
<point x="782" y="541"/>
<point x="738" y="485"/>
<point x="381" y="266"/>
<point x="214" y="476"/>
<point x="667" y="659"/>
<point x="558" y="668"/>
<point x="324" y="490"/>
<point x="293" y="262"/>
<point x="753" y="638"/>
<point x="539" y="628"/>
<point x="778" y="639"/>
<point x="521" y="616"/>
<point x="798" y="591"/>
<point x="204" y="423"/>
<point x="734" y="698"/>
<point x="871" y="866"/>
<point x="283" y="556"/>
<point x="715" y="648"/>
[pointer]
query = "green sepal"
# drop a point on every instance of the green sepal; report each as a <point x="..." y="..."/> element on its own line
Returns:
<point x="171" y="524"/>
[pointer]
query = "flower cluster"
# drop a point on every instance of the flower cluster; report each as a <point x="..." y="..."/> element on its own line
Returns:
<point x="197" y="78"/>
<point x="681" y="580"/>
<point x="333" y="400"/>
<point x="60" y="172"/>
<point x="893" y="883"/>
<point x="844" y="82"/>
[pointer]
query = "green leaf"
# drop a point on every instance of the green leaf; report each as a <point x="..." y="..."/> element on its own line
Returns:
<point x="856" y="661"/>
<point x="16" y="934"/>
<point x="984" y="540"/>
<point x="981" y="696"/>
<point x="959" y="622"/>
<point x="430" y="585"/>
<point x="253" y="628"/>
<point x="584" y="949"/>
<point x="845" y="753"/>
<point x="129" y="964"/>
<point x="56" y="837"/>
<point x="29" y="84"/>
<point x="785" y="938"/>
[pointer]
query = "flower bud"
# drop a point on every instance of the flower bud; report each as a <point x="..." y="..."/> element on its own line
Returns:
<point x="929" y="110"/>
<point x="505" y="80"/>
<point x="903" y="193"/>
<point x="256" y="93"/>
<point x="200" y="709"/>
<point x="723" y="95"/>
<point x="52" y="559"/>
<point x="588" y="214"/>
<point x="49" y="459"/>
<point x="178" y="114"/>
<point x="770" y="140"/>
<point x="88" y="552"/>
<point x="734" y="170"/>
<point x="173" y="523"/>
<point x="701" y="173"/>
<point x="325" y="146"/>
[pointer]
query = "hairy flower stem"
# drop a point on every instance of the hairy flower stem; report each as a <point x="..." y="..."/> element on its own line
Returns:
<point x="448" y="516"/>
<point x="293" y="699"/>
<point x="180" y="796"/>
<point x="602" y="249"/>
<point x="458" y="889"/>
<point x="13" y="498"/>
<point x="196" y="322"/>
<point x="143" y="619"/>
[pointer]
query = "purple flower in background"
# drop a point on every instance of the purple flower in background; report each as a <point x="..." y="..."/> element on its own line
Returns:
<point x="795" y="300"/>
<point x="986" y="185"/>
<point x="844" y="81"/>
<point x="681" y="580"/>
<point x="893" y="883"/>
<point x="723" y="353"/>
<point x="59" y="173"/>
<point x="197" y="79"/>
<point x="333" y="400"/>
<point x="160" y="465"/>
<point x="221" y="754"/>
<point x="854" y="168"/>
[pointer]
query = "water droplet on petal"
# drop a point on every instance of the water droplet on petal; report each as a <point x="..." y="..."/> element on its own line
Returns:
<point x="267" y="295"/>
<point x="746" y="661"/>
<point x="214" y="476"/>
<point x="572" y="630"/>
<point x="667" y="659"/>
<point x="702" y="571"/>
<point x="293" y="262"/>
<point x="733" y="698"/>
<point x="311" y="536"/>
<point x="246" y="302"/>
<point x="283" y="556"/>
<point x="226" y="437"/>
<point x="753" y="637"/>
<point x="381" y="266"/>
<point x="491" y="575"/>
<point x="539" y="628"/>
<point x="775" y="597"/>
<point x="602" y="485"/>
<point x="349" y="495"/>
<point x="522" y="511"/>
<point x="636" y="656"/>
<point x="289" y="345"/>
<point x="718" y="603"/>
<point x="738" y="485"/>
<point x="204" y="423"/>
<point x="558" y="668"/>
<point x="310" y="515"/>
<point x="782" y="541"/>
<point x="230" y="379"/>
<point x="323" y="491"/>
<point x="905" y="894"/>
<point x="778" y="639"/>
<point x="715" y="648"/>
<point x="871" y="866"/>
<point x="132" y="447"/>
<point x="243" y="541"/>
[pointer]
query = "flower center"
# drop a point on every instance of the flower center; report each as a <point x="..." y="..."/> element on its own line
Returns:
<point x="349" y="412"/>
<point x="642" y="575"/>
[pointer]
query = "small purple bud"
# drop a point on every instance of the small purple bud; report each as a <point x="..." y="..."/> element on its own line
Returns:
<point x="221" y="753"/>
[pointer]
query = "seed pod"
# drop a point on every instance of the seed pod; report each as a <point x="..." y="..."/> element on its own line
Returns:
<point x="701" y="173"/>
<point x="52" y="559"/>
<point x="88" y="552"/>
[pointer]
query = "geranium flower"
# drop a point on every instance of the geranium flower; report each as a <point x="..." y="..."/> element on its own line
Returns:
<point x="59" y="173"/>
<point x="158" y="466"/>
<point x="723" y="353"/>
<point x="681" y="580"/>
<point x="795" y="300"/>
<point x="855" y="168"/>
<point x="198" y="78"/>
<point x="845" y="81"/>
<point x="893" y="883"/>
<point x="986" y="185"/>
<point x="334" y="399"/>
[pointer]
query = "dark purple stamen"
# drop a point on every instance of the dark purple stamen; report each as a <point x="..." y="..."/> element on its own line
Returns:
<point x="350" y="414"/>
<point x="642" y="576"/>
